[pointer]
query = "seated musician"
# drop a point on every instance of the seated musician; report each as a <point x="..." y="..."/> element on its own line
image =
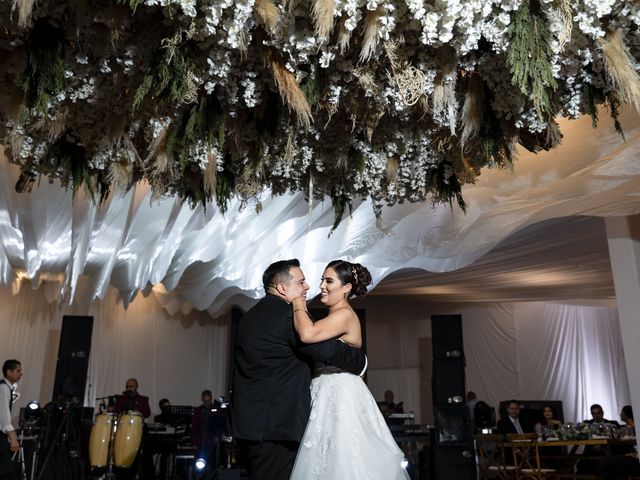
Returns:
<point x="163" y="441"/>
<point x="131" y="400"/>
<point x="388" y="407"/>
<point x="166" y="416"/>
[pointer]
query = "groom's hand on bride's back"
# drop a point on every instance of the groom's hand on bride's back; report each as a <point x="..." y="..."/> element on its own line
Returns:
<point x="336" y="353"/>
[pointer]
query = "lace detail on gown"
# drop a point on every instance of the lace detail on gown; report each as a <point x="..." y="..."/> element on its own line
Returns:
<point x="346" y="436"/>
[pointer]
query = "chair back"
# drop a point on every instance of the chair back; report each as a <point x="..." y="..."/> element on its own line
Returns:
<point x="491" y="455"/>
<point x="524" y="447"/>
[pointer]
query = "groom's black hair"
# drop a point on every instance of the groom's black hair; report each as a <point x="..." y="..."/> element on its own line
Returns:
<point x="278" y="272"/>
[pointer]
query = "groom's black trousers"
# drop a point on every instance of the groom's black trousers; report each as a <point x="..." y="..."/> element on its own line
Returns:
<point x="270" y="460"/>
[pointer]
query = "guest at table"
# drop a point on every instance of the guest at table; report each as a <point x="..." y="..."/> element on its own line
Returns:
<point x="549" y="417"/>
<point x="589" y="465"/>
<point x="597" y="417"/>
<point x="626" y="415"/>
<point x="511" y="424"/>
<point x="548" y="425"/>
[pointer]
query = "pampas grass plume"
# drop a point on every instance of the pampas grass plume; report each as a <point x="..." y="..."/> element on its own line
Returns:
<point x="619" y="66"/>
<point x="370" y="37"/>
<point x="322" y="12"/>
<point x="290" y="91"/>
<point x="267" y="13"/>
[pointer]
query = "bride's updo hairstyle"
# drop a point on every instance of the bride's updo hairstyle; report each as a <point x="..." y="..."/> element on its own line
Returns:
<point x="353" y="273"/>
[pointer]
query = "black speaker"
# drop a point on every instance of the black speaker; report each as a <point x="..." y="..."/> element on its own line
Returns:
<point x="73" y="359"/>
<point x="448" y="382"/>
<point x="453" y="426"/>
<point x="454" y="463"/>
<point x="446" y="336"/>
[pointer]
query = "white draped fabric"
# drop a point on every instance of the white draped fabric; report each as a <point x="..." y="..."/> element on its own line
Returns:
<point x="527" y="351"/>
<point x="574" y="354"/>
<point x="172" y="356"/>
<point x="209" y="261"/>
<point x="532" y="351"/>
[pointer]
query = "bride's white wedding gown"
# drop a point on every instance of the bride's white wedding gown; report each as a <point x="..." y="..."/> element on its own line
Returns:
<point x="346" y="436"/>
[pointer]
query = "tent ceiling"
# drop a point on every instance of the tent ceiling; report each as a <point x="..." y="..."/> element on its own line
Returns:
<point x="530" y="265"/>
<point x="196" y="258"/>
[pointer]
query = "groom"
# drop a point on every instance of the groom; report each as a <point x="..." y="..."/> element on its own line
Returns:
<point x="270" y="402"/>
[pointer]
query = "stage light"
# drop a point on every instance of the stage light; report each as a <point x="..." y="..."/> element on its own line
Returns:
<point x="404" y="463"/>
<point x="200" y="464"/>
<point x="32" y="413"/>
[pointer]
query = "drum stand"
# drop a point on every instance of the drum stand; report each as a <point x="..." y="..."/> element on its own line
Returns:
<point x="110" y="474"/>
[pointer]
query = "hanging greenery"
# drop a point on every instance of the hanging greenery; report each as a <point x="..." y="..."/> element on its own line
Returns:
<point x="530" y="56"/>
<point x="43" y="76"/>
<point x="395" y="100"/>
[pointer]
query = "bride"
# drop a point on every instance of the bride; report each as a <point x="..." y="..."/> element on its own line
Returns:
<point x="346" y="436"/>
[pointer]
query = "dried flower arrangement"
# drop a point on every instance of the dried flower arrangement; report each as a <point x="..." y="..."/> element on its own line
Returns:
<point x="396" y="100"/>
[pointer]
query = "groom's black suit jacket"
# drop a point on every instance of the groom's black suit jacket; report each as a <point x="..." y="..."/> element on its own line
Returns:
<point x="272" y="373"/>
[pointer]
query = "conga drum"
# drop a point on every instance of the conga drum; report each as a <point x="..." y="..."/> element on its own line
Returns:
<point x="99" y="439"/>
<point x="128" y="438"/>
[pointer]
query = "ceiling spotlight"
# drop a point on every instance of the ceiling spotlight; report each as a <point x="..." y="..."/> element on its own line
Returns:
<point x="404" y="463"/>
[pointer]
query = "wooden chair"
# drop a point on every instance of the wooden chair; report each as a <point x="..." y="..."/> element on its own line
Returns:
<point x="526" y="458"/>
<point x="491" y="457"/>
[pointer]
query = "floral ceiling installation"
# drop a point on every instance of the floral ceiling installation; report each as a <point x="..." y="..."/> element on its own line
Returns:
<point x="387" y="99"/>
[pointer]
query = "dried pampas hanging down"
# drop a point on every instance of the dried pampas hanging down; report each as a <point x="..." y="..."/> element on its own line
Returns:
<point x="289" y="90"/>
<point x="391" y="170"/>
<point x="344" y="35"/>
<point x="158" y="161"/>
<point x="625" y="80"/>
<point x="266" y="13"/>
<point x="472" y="110"/>
<point x="121" y="172"/>
<point x="120" y="175"/>
<point x="53" y="128"/>
<point x="567" y="22"/>
<point x="322" y="12"/>
<point x="444" y="92"/>
<point x="211" y="174"/>
<point x="554" y="136"/>
<point x="371" y="28"/>
<point x="25" y="8"/>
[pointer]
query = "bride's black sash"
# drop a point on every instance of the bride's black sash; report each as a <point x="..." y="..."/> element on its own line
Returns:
<point x="322" y="369"/>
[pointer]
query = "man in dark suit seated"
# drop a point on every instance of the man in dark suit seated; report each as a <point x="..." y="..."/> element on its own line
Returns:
<point x="271" y="400"/>
<point x="597" y="417"/>
<point x="511" y="424"/>
<point x="589" y="465"/>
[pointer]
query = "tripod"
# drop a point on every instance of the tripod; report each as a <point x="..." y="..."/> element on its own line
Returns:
<point x="64" y="442"/>
<point x="20" y="454"/>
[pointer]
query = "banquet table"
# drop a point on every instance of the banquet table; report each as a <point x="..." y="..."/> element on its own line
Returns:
<point x="565" y="455"/>
<point x="573" y="445"/>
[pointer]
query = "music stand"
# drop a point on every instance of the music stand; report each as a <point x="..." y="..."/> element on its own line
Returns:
<point x="181" y="413"/>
